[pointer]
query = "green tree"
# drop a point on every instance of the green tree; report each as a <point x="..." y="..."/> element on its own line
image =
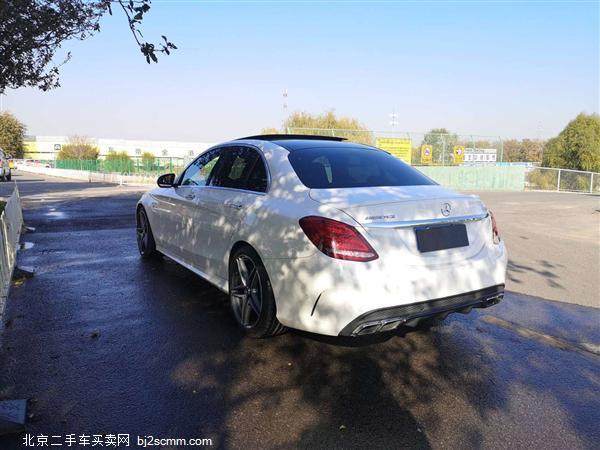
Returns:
<point x="148" y="160"/>
<point x="526" y="150"/>
<point x="118" y="162"/>
<point x="442" y="144"/>
<point x="117" y="156"/>
<point x="12" y="134"/>
<point x="78" y="148"/>
<point x="328" y="124"/>
<point x="577" y="146"/>
<point x="32" y="31"/>
<point x="270" y="130"/>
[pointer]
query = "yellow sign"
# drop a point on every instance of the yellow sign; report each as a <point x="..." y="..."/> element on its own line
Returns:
<point x="459" y="154"/>
<point x="426" y="154"/>
<point x="399" y="147"/>
<point x="31" y="150"/>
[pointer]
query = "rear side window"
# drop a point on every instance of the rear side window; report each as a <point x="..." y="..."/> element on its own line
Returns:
<point x="241" y="168"/>
<point x="348" y="167"/>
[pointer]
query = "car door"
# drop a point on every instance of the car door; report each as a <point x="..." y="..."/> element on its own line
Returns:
<point x="180" y="232"/>
<point x="235" y="191"/>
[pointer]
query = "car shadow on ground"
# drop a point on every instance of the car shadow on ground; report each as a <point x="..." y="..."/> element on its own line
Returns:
<point x="385" y="393"/>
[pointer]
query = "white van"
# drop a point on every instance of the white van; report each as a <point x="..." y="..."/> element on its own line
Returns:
<point x="5" y="173"/>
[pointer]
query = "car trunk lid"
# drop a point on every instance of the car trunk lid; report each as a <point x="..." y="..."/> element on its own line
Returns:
<point x="390" y="215"/>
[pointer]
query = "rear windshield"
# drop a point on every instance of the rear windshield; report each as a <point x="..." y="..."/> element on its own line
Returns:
<point x="348" y="167"/>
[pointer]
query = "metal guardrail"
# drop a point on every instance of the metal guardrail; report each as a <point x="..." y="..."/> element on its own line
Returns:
<point x="11" y="223"/>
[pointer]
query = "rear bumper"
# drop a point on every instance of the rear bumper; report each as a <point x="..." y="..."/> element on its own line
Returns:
<point x="388" y="319"/>
<point x="324" y="295"/>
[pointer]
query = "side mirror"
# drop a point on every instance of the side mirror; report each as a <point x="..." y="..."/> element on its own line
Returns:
<point x="166" y="180"/>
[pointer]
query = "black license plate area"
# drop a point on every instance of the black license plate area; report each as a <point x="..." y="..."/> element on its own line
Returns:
<point x="441" y="237"/>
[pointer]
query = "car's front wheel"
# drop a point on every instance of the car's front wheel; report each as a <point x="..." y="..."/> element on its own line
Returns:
<point x="251" y="295"/>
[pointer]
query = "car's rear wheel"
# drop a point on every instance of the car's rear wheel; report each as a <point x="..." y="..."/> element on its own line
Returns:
<point x="145" y="238"/>
<point x="9" y="176"/>
<point x="251" y="296"/>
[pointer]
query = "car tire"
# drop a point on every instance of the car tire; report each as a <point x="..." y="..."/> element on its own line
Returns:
<point x="251" y="296"/>
<point x="9" y="176"/>
<point x="145" y="238"/>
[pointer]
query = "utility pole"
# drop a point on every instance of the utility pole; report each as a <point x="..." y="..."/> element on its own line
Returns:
<point x="539" y="141"/>
<point x="393" y="121"/>
<point x="285" y="105"/>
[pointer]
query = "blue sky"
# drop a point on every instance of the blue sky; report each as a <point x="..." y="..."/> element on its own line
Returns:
<point x="515" y="69"/>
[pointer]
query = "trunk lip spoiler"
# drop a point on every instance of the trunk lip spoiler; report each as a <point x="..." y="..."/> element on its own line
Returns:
<point x="425" y="222"/>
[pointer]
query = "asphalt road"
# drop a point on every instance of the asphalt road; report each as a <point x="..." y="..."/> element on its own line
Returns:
<point x="105" y="343"/>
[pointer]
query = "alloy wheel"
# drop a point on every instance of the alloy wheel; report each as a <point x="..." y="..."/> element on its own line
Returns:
<point x="246" y="292"/>
<point x="142" y="232"/>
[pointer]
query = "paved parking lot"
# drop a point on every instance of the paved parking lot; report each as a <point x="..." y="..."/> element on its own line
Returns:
<point x="102" y="342"/>
<point x="554" y="243"/>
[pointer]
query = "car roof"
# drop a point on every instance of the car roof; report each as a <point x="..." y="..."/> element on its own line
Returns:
<point x="280" y="137"/>
<point x="295" y="142"/>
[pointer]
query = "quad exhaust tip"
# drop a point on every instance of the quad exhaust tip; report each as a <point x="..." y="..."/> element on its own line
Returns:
<point x="390" y="324"/>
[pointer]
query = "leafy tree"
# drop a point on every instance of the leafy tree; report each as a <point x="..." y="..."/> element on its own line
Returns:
<point x="577" y="146"/>
<point x="31" y="32"/>
<point x="78" y="148"/>
<point x="442" y="145"/>
<point x="329" y="124"/>
<point x="117" y="156"/>
<point x="12" y="133"/>
<point x="148" y="160"/>
<point x="532" y="149"/>
<point x="118" y="162"/>
<point x="270" y="130"/>
<point x="529" y="150"/>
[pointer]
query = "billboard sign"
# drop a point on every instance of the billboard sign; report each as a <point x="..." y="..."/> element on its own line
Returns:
<point x="426" y="154"/>
<point x="399" y="147"/>
<point x="480" y="156"/>
<point x="459" y="154"/>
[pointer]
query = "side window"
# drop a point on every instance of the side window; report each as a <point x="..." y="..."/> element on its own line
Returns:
<point x="257" y="180"/>
<point x="198" y="173"/>
<point x="241" y="168"/>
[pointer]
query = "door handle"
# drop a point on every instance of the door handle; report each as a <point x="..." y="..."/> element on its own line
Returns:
<point x="234" y="205"/>
<point x="190" y="196"/>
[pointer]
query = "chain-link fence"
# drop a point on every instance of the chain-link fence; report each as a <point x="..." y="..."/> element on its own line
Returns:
<point x="432" y="149"/>
<point x="134" y="166"/>
<point x="487" y="176"/>
<point x="549" y="179"/>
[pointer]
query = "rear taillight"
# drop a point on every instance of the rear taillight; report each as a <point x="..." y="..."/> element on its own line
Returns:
<point x="337" y="239"/>
<point x="495" y="232"/>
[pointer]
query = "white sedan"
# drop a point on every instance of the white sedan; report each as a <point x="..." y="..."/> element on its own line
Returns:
<point x="325" y="236"/>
